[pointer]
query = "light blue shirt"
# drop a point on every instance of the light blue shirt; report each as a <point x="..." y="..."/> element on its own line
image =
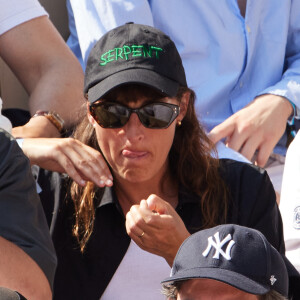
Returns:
<point x="229" y="60"/>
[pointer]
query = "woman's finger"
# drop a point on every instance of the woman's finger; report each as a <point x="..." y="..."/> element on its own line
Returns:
<point x="87" y="161"/>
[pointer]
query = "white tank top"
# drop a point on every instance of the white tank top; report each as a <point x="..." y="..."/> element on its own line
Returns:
<point x="138" y="276"/>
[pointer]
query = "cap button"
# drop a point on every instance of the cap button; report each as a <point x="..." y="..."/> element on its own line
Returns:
<point x="129" y="23"/>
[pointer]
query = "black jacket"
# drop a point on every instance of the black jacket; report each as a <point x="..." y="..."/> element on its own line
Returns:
<point x="86" y="276"/>
<point x="22" y="219"/>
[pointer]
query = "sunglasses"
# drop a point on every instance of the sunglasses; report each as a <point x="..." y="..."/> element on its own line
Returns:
<point x="158" y="115"/>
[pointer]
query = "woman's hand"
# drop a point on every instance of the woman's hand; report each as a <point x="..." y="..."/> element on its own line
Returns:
<point x="155" y="226"/>
<point x="67" y="155"/>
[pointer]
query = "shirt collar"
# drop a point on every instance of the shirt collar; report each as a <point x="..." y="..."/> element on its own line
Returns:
<point x="184" y="197"/>
<point x="107" y="196"/>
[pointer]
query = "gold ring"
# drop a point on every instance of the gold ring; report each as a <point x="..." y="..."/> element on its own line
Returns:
<point x="142" y="234"/>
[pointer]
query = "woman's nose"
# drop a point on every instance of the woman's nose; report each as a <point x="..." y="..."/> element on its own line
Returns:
<point x="134" y="128"/>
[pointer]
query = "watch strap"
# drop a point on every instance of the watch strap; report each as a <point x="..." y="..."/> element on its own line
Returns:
<point x="53" y="117"/>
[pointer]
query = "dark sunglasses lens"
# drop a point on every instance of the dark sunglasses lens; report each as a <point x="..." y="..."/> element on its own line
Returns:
<point x="111" y="115"/>
<point x="157" y="115"/>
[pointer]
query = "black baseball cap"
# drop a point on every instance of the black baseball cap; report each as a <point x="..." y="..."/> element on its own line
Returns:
<point x="136" y="54"/>
<point x="239" y="256"/>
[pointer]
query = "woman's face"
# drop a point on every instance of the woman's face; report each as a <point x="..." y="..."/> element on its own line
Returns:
<point x="134" y="152"/>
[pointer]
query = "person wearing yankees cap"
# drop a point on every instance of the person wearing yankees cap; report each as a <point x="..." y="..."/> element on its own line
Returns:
<point x="117" y="239"/>
<point x="228" y="262"/>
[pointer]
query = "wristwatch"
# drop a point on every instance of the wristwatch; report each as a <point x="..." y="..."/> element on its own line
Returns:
<point x="53" y="117"/>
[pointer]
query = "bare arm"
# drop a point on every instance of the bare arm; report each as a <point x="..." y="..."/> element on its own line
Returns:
<point x="49" y="71"/>
<point x="19" y="272"/>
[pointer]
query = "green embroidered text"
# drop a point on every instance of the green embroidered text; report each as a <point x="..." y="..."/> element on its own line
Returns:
<point x="129" y="51"/>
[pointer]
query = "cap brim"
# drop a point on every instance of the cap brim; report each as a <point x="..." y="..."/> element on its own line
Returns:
<point x="229" y="277"/>
<point x="139" y="76"/>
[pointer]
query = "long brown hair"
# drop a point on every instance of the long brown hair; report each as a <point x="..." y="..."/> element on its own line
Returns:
<point x="190" y="161"/>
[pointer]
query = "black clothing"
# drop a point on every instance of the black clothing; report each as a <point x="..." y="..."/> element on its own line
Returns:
<point x="86" y="276"/>
<point x="22" y="221"/>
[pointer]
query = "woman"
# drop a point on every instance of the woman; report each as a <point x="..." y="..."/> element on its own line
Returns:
<point x="166" y="185"/>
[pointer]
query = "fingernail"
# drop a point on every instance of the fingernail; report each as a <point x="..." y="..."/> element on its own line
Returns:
<point x="82" y="182"/>
<point x="101" y="183"/>
<point x="108" y="182"/>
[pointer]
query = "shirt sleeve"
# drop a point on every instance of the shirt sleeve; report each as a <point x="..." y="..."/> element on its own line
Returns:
<point x="289" y="85"/>
<point x="90" y="19"/>
<point x="16" y="12"/>
<point x="22" y="219"/>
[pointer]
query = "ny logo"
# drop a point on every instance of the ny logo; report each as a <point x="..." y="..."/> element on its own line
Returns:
<point x="218" y="246"/>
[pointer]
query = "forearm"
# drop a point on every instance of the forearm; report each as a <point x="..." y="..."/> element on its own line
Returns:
<point x="35" y="128"/>
<point x="21" y="273"/>
<point x="60" y="89"/>
<point x="48" y="70"/>
<point x="67" y="102"/>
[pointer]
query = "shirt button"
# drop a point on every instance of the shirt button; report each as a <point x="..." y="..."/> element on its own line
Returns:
<point x="248" y="28"/>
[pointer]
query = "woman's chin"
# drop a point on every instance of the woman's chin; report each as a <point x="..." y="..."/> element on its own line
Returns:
<point x="140" y="174"/>
<point x="134" y="175"/>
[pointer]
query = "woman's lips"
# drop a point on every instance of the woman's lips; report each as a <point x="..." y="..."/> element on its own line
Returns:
<point x="133" y="154"/>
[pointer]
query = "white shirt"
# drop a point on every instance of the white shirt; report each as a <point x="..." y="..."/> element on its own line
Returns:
<point x="138" y="276"/>
<point x="15" y="12"/>
<point x="290" y="202"/>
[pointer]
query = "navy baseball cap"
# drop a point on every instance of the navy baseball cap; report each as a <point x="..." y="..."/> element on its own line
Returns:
<point x="133" y="54"/>
<point x="239" y="256"/>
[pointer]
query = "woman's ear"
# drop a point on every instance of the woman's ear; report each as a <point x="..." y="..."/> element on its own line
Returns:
<point x="184" y="105"/>
<point x="90" y="117"/>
